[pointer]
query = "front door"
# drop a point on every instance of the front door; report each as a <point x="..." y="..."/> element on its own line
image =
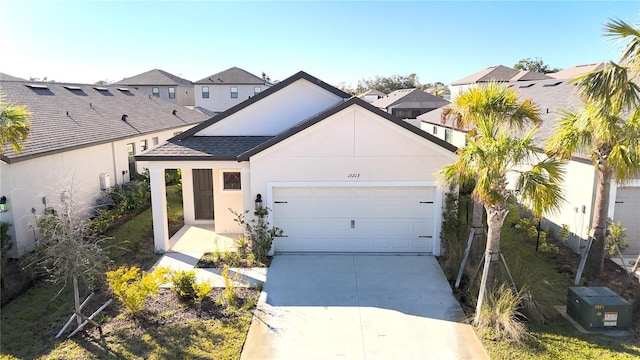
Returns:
<point x="203" y="193"/>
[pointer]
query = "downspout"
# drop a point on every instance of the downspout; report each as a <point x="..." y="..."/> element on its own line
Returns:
<point x="115" y="168"/>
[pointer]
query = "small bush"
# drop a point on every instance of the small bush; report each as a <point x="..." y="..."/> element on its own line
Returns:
<point x="201" y="290"/>
<point x="616" y="238"/>
<point x="133" y="287"/>
<point x="499" y="316"/>
<point x="183" y="282"/>
<point x="564" y="233"/>
<point x="258" y="232"/>
<point x="230" y="295"/>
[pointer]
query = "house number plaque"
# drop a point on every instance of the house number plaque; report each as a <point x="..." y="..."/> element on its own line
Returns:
<point x="353" y="176"/>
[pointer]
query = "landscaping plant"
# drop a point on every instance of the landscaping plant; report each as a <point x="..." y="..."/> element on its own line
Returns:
<point x="133" y="286"/>
<point x="258" y="232"/>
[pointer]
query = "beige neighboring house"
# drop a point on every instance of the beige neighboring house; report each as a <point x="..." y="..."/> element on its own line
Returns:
<point x="84" y="137"/>
<point x="499" y="73"/>
<point x="575" y="71"/>
<point x="339" y="174"/>
<point x="163" y="85"/>
<point x="551" y="96"/>
<point x="221" y="91"/>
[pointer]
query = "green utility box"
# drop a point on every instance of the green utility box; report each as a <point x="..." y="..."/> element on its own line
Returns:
<point x="598" y="308"/>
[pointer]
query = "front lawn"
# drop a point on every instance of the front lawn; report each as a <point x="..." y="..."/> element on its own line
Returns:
<point x="167" y="327"/>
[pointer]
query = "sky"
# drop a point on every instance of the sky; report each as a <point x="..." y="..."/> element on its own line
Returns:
<point x="337" y="42"/>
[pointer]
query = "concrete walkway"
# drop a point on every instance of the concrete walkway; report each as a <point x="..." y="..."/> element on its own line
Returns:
<point x="359" y="307"/>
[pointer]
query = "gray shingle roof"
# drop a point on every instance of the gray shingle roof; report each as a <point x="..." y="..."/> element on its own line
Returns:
<point x="528" y="75"/>
<point x="7" y="77"/>
<point x="233" y="75"/>
<point x="414" y="99"/>
<point x="72" y="116"/>
<point x="494" y="73"/>
<point x="154" y="77"/>
<point x="204" y="148"/>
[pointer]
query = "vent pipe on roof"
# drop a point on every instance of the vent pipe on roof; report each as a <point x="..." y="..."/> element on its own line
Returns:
<point x="124" y="117"/>
<point x="174" y="111"/>
<point x="67" y="113"/>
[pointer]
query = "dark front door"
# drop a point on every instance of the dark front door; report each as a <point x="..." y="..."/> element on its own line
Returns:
<point x="203" y="193"/>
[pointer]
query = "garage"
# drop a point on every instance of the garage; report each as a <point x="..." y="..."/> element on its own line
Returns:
<point x="356" y="218"/>
<point x="627" y="205"/>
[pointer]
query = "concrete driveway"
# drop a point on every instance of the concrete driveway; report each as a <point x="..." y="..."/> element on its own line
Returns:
<point x="359" y="307"/>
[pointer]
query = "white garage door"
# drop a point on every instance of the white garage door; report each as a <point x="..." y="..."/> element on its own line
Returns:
<point x="354" y="219"/>
<point x="627" y="210"/>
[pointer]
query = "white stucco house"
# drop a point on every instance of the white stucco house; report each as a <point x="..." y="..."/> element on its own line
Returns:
<point x="163" y="85"/>
<point x="552" y="95"/>
<point x="339" y="174"/>
<point x="82" y="137"/>
<point x="223" y="90"/>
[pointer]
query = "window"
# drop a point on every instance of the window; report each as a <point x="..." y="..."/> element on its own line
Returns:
<point x="447" y="135"/>
<point x="256" y="90"/>
<point x="172" y="93"/>
<point x="143" y="145"/>
<point x="435" y="130"/>
<point x="205" y="92"/>
<point x="131" y="152"/>
<point x="234" y="92"/>
<point x="154" y="141"/>
<point x="155" y="91"/>
<point x="231" y="180"/>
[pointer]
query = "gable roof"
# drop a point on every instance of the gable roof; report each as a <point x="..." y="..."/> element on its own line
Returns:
<point x="410" y="98"/>
<point x="499" y="73"/>
<point x="528" y="75"/>
<point x="73" y="116"/>
<point x="371" y="92"/>
<point x="233" y="75"/>
<point x="261" y="95"/>
<point x="215" y="147"/>
<point x="154" y="77"/>
<point x="7" y="77"/>
<point x="575" y="71"/>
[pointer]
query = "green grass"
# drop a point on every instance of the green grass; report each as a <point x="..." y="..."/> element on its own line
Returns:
<point x="556" y="338"/>
<point x="30" y="322"/>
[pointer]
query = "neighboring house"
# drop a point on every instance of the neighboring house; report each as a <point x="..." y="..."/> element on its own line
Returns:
<point x="339" y="174"/>
<point x="409" y="103"/>
<point x="82" y="137"/>
<point x="371" y="95"/>
<point x="163" y="85"/>
<point x="499" y="73"/>
<point x="577" y="70"/>
<point x="551" y="96"/>
<point x="223" y="90"/>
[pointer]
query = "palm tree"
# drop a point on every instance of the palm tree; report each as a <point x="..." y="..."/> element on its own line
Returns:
<point x="607" y="128"/>
<point x="493" y="153"/>
<point x="15" y="123"/>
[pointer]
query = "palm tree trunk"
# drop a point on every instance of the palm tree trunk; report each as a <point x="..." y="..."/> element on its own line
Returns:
<point x="595" y="259"/>
<point x="495" y="220"/>
<point x="476" y="224"/>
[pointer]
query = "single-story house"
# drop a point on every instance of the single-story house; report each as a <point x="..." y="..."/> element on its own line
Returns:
<point x="83" y="138"/>
<point x="221" y="91"/>
<point x="163" y="85"/>
<point x="338" y="174"/>
<point x="551" y="96"/>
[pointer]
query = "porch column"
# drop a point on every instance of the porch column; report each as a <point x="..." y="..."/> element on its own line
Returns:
<point x="248" y="200"/>
<point x="187" y="196"/>
<point x="159" y="209"/>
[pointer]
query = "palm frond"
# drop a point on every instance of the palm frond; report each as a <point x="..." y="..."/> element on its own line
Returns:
<point x="15" y="124"/>
<point x="620" y="30"/>
<point x="611" y="87"/>
<point x="540" y="186"/>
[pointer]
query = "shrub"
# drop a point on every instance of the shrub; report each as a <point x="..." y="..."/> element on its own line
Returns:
<point x="183" y="282"/>
<point x="499" y="316"/>
<point x="453" y="236"/>
<point x="201" y="290"/>
<point x="230" y="295"/>
<point x="564" y="233"/>
<point x="616" y="238"/>
<point x="258" y="232"/>
<point x="133" y="287"/>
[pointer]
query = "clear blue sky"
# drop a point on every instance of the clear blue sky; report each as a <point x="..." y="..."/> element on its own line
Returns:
<point x="87" y="41"/>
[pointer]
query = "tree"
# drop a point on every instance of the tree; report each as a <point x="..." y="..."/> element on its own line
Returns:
<point x="607" y="128"/>
<point x="437" y="88"/>
<point x="103" y="82"/>
<point x="15" y="123"/>
<point x="69" y="249"/>
<point x="535" y="65"/>
<point x="388" y="84"/>
<point x="493" y="152"/>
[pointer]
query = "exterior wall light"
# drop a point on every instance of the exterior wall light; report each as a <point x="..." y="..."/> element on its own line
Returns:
<point x="258" y="201"/>
<point x="3" y="204"/>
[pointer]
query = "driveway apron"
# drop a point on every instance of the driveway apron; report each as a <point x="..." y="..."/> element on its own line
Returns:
<point x="359" y="307"/>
